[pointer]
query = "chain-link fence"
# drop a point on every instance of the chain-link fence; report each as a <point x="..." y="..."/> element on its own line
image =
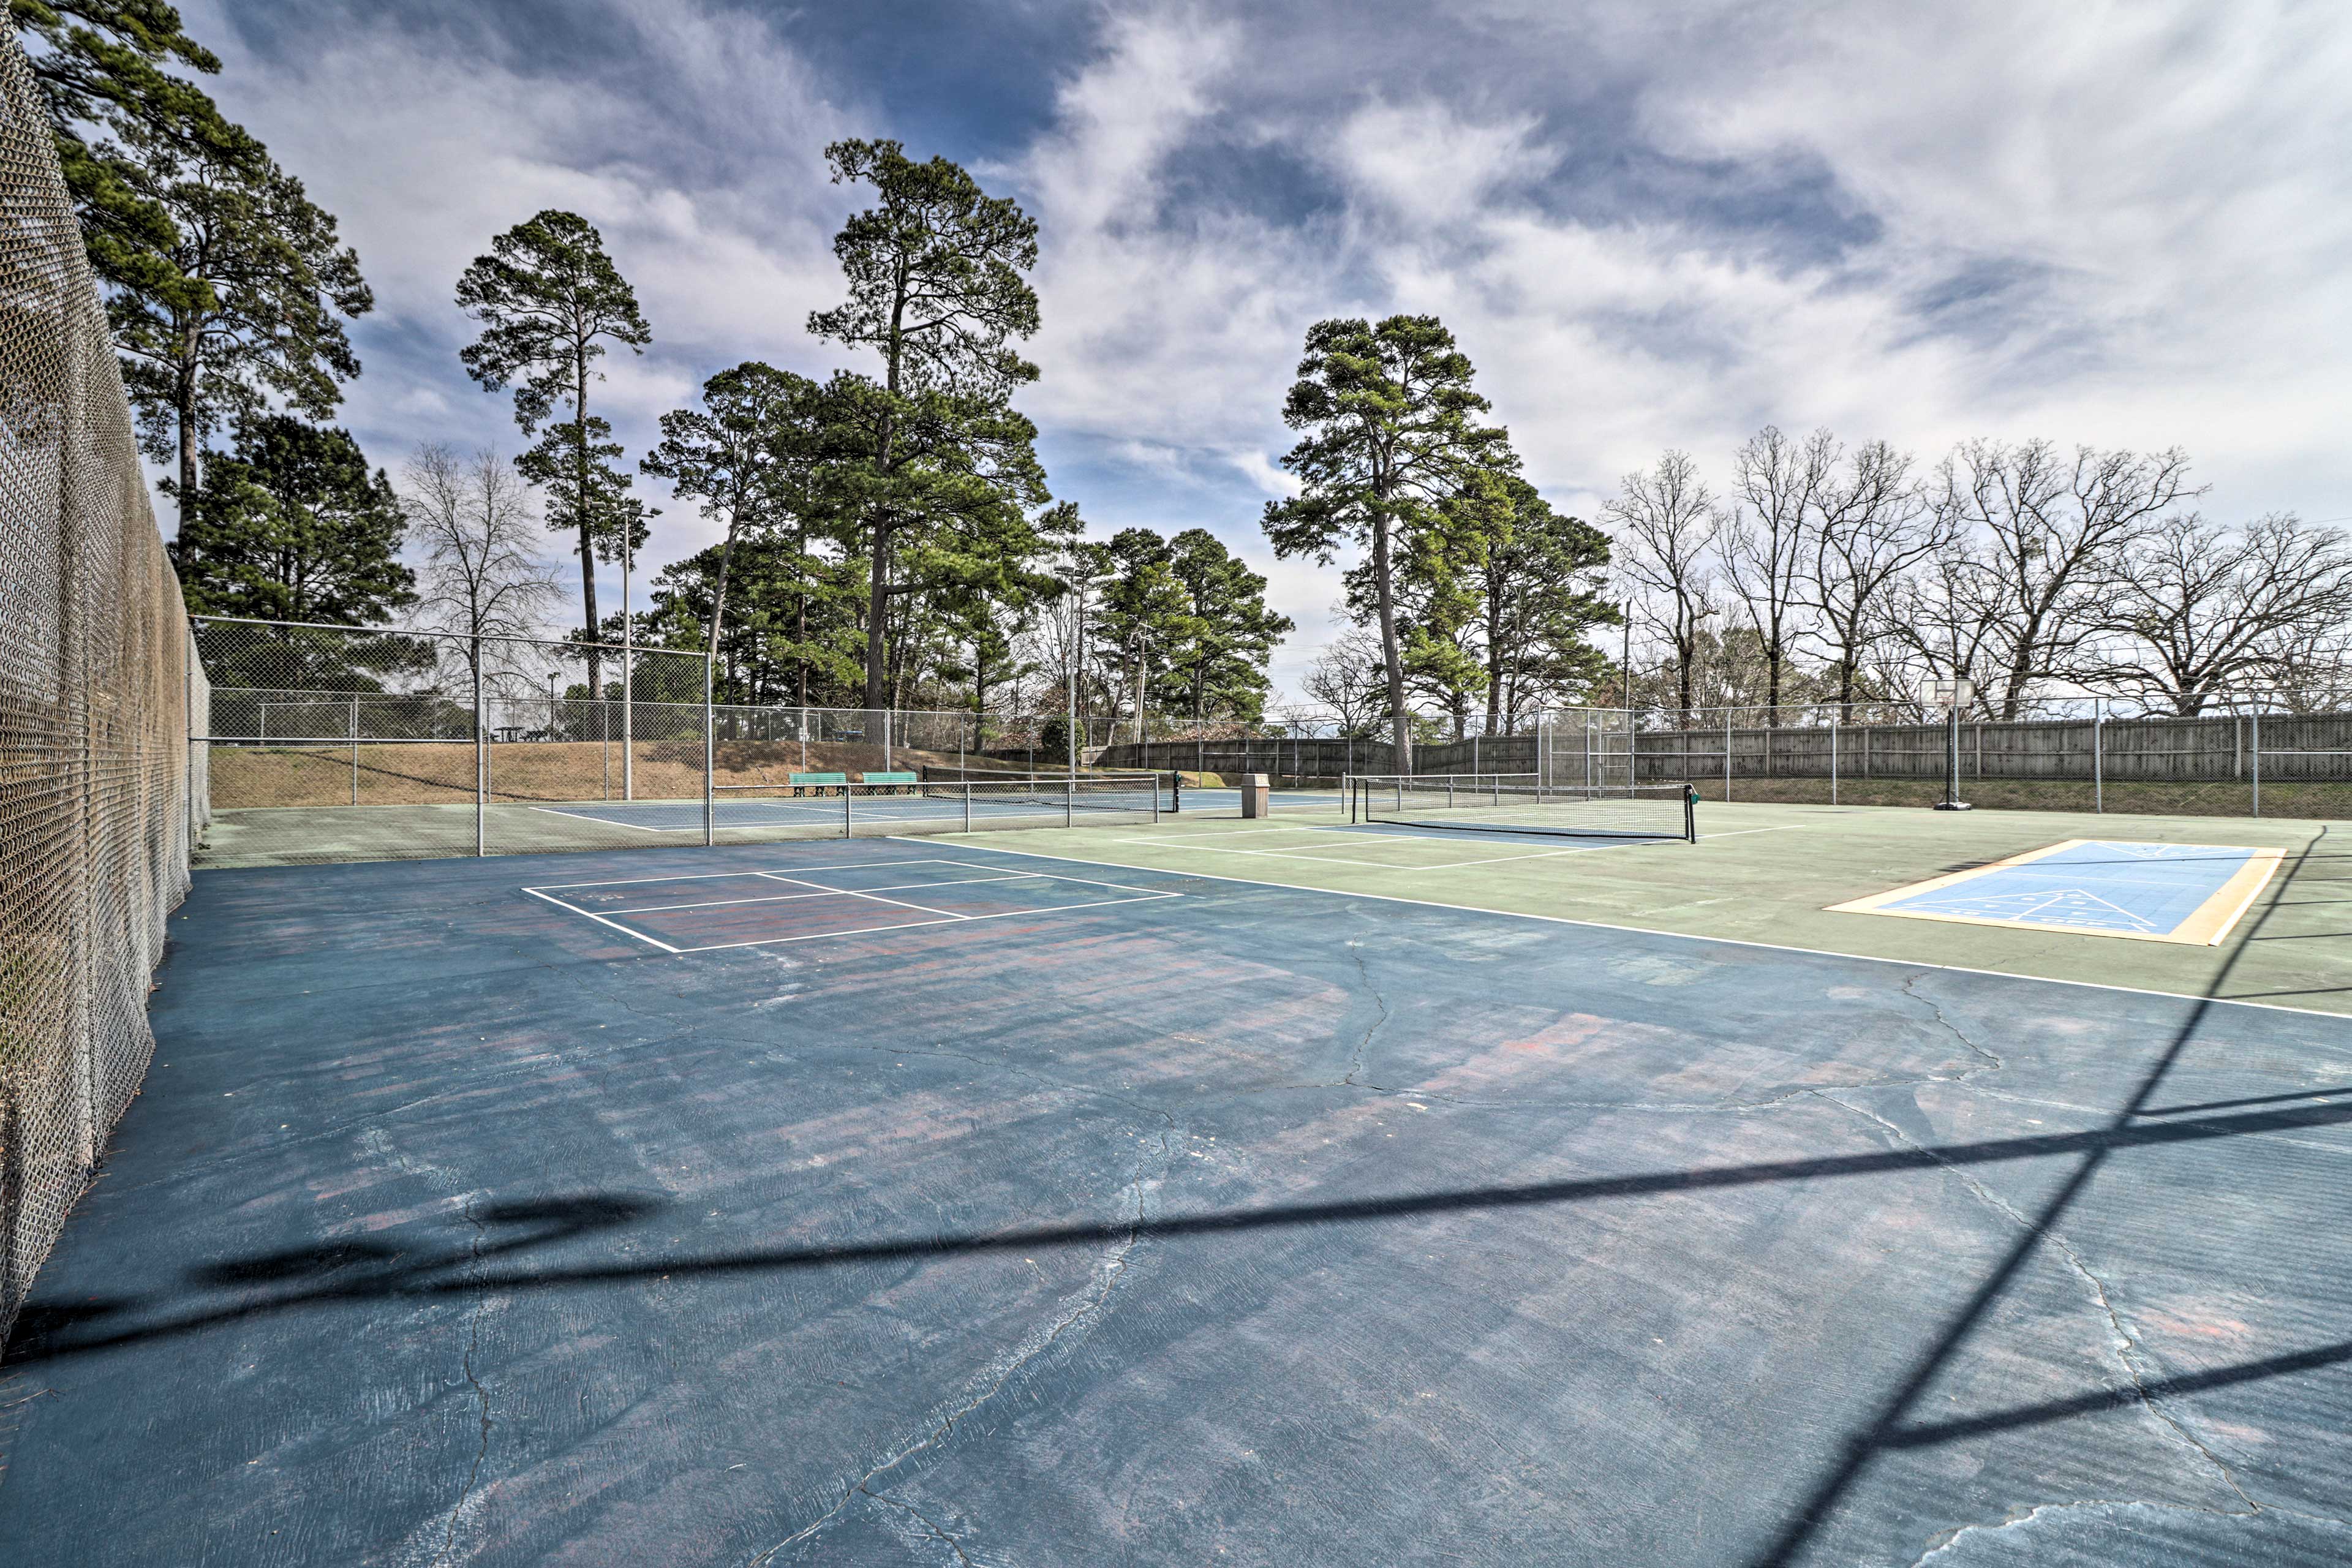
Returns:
<point x="326" y="743"/>
<point x="95" y="807"/>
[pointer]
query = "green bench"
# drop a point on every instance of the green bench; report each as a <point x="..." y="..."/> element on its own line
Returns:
<point x="905" y="782"/>
<point x="819" y="783"/>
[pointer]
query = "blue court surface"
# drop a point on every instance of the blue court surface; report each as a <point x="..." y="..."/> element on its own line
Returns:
<point x="922" y="1204"/>
<point x="2151" y="892"/>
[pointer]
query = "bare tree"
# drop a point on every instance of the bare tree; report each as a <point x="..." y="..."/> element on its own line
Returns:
<point x="1349" y="679"/>
<point x="2055" y="533"/>
<point x="2205" y="606"/>
<point x="1872" y="527"/>
<point x="1768" y="541"/>
<point x="1943" y="619"/>
<point x="2312" y="666"/>
<point x="473" y="518"/>
<point x="1666" y="523"/>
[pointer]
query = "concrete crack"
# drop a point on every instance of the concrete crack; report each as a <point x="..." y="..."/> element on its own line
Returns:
<point x="1084" y="1305"/>
<point x="1356" y="1061"/>
<point x="2127" y="1349"/>
<point x="1910" y="984"/>
<point x="473" y="1347"/>
<point x="1949" y="1539"/>
<point x="925" y="1520"/>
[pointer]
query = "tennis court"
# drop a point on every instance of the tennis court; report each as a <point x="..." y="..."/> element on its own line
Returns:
<point x="951" y="1200"/>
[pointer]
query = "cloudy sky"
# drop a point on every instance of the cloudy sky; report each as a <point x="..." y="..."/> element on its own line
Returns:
<point x="1650" y="225"/>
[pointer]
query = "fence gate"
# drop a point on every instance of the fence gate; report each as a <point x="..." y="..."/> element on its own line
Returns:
<point x="1586" y="747"/>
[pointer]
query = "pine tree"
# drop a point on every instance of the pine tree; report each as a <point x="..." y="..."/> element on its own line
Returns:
<point x="1391" y="433"/>
<point x="550" y="299"/>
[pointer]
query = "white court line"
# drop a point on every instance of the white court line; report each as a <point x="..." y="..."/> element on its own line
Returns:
<point x="910" y="925"/>
<point x="854" y="893"/>
<point x="1058" y="877"/>
<point x="606" y="821"/>
<point x="600" y="920"/>
<point x="1271" y="855"/>
<point x="1417" y="838"/>
<point x="1237" y="833"/>
<point x="1682" y="935"/>
<point x="707" y="876"/>
<point x="1427" y="839"/>
<point x="822" y="892"/>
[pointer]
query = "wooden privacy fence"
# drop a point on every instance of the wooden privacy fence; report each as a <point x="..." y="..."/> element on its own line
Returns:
<point x="1300" y="757"/>
<point x="2085" y="748"/>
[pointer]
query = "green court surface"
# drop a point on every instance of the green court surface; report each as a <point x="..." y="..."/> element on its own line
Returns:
<point x="1767" y="873"/>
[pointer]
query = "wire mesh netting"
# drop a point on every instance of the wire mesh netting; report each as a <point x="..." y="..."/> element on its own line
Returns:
<point x="1523" y="804"/>
<point x="326" y="743"/>
<point x="95" y="805"/>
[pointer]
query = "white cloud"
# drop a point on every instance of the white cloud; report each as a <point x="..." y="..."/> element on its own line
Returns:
<point x="1649" y="227"/>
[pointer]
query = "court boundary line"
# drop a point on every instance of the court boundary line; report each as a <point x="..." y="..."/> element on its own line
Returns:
<point x="816" y="890"/>
<point x="1688" y="936"/>
<point x="944" y="920"/>
<point x="600" y="920"/>
<point x="709" y="876"/>
<point x="819" y="892"/>
<point x="856" y="893"/>
<point x="1300" y="854"/>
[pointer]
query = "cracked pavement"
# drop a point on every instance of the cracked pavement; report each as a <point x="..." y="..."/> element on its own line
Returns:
<point x="1253" y="1226"/>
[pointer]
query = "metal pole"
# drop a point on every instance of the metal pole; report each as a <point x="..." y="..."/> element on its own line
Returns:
<point x="848" y="812"/>
<point x="1726" y="754"/>
<point x="967" y="806"/>
<point x="355" y="751"/>
<point x="1952" y="755"/>
<point x="710" y="753"/>
<point x="885" y="739"/>
<point x="1625" y="664"/>
<point x="1069" y="798"/>
<point x="1834" y="758"/>
<point x="1070" y="739"/>
<point x="2255" y="749"/>
<point x="628" y="674"/>
<point x="2098" y="759"/>
<point x="481" y="759"/>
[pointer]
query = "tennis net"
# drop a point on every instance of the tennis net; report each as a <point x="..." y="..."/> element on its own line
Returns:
<point x="1524" y="802"/>
<point x="1082" y="791"/>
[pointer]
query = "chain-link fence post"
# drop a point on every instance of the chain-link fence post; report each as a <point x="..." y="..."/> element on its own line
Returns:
<point x="481" y="752"/>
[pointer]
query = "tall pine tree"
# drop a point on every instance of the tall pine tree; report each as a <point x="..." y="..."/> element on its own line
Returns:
<point x="945" y="468"/>
<point x="550" y="299"/>
<point x="1391" y="431"/>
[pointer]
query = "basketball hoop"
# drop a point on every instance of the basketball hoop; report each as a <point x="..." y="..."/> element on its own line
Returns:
<point x="1949" y="693"/>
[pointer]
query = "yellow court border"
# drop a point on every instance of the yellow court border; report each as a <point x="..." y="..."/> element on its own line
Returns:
<point x="2205" y="927"/>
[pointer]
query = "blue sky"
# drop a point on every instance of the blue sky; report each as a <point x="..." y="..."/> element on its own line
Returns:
<point x="1648" y="225"/>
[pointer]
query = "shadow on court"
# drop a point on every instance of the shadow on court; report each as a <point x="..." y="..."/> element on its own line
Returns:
<point x="1250" y="1223"/>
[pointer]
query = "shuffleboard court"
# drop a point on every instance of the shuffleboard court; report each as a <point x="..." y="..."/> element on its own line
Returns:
<point x="2190" y="893"/>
